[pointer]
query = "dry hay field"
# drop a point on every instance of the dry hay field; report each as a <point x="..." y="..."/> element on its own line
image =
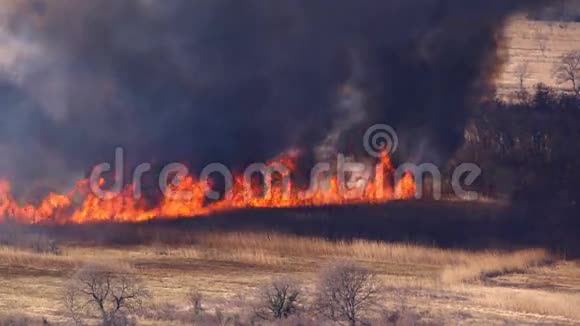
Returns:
<point x="436" y="285"/>
<point x="540" y="45"/>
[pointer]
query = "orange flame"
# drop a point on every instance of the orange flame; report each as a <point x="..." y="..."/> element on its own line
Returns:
<point x="188" y="198"/>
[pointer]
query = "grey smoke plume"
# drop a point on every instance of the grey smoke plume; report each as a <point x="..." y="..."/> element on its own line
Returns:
<point x="235" y="81"/>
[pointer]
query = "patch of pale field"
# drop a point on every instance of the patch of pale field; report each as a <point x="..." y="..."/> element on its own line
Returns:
<point x="450" y="286"/>
<point x="540" y="45"/>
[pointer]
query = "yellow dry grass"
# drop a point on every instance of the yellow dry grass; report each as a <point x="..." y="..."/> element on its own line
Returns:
<point x="262" y="245"/>
<point x="536" y="302"/>
<point x="18" y="257"/>
<point x="277" y="249"/>
<point x="481" y="266"/>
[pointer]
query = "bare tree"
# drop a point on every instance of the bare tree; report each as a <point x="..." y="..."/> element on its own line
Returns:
<point x="346" y="291"/>
<point x="542" y="41"/>
<point x="567" y="70"/>
<point x="112" y="293"/>
<point x="74" y="304"/>
<point x="403" y="315"/>
<point x="522" y="72"/>
<point x="195" y="299"/>
<point x="279" y="299"/>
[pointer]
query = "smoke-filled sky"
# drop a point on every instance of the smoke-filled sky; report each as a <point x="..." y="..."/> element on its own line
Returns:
<point x="234" y="81"/>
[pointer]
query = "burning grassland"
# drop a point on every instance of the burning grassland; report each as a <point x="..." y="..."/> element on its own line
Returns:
<point x="187" y="196"/>
<point x="236" y="82"/>
<point x="200" y="82"/>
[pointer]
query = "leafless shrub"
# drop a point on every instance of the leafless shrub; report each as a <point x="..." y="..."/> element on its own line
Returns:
<point x="279" y="299"/>
<point x="346" y="292"/>
<point x="401" y="318"/>
<point x="18" y="320"/>
<point x="217" y="319"/>
<point x="107" y="292"/>
<point x="522" y="72"/>
<point x="542" y="41"/>
<point x="18" y="236"/>
<point x="165" y="312"/>
<point x="300" y="321"/>
<point x="44" y="245"/>
<point x="195" y="298"/>
<point x="567" y="70"/>
<point x="402" y="314"/>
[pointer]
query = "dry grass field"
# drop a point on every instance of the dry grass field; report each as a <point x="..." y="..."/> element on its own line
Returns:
<point x="528" y="286"/>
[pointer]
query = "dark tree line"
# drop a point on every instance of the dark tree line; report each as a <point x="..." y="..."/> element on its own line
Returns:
<point x="528" y="149"/>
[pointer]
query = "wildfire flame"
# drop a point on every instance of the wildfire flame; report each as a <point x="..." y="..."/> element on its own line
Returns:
<point x="82" y="206"/>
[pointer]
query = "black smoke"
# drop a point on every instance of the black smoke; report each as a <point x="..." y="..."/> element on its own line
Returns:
<point x="235" y="81"/>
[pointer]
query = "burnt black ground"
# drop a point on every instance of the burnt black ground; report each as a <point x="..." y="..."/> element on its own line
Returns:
<point x="445" y="224"/>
